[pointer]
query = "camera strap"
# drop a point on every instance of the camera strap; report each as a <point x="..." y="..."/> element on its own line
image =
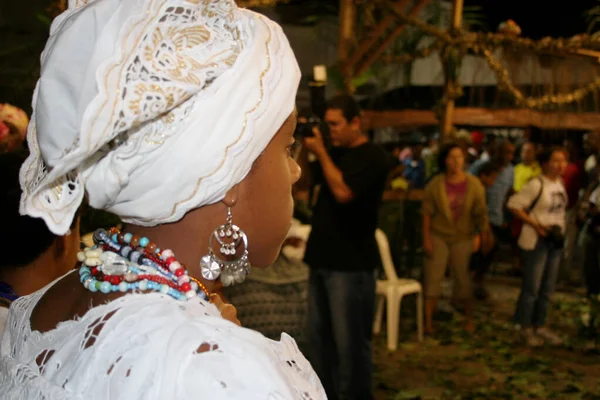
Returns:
<point x="537" y="198"/>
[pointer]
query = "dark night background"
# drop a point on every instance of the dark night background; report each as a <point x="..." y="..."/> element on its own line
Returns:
<point x="24" y="29"/>
<point x="538" y="18"/>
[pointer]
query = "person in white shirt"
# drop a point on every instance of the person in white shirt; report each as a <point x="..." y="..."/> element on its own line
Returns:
<point x="589" y="214"/>
<point x="541" y="205"/>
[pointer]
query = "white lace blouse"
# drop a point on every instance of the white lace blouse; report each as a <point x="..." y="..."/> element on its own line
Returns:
<point x="149" y="346"/>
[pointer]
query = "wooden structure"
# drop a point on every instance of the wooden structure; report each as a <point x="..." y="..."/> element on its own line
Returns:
<point x="378" y="40"/>
<point x="356" y="59"/>
<point x="483" y="117"/>
<point x="451" y="81"/>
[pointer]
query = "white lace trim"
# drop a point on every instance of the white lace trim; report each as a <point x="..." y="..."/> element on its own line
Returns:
<point x="154" y="80"/>
<point x="165" y="54"/>
<point x="148" y="346"/>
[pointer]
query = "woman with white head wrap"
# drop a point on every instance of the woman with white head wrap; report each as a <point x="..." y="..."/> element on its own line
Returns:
<point x="178" y="116"/>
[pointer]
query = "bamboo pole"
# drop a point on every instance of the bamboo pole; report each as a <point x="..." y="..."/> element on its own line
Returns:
<point x="481" y="116"/>
<point x="376" y="54"/>
<point x="347" y="22"/>
<point x="457" y="11"/>
<point x="374" y="36"/>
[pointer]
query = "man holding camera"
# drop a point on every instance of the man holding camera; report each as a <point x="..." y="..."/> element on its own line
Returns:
<point x="342" y="252"/>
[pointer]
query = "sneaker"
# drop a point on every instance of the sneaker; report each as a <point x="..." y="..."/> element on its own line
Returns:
<point x="549" y="337"/>
<point x="530" y="338"/>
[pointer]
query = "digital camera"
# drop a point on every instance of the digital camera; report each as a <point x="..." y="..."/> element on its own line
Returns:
<point x="305" y="125"/>
<point x="555" y="237"/>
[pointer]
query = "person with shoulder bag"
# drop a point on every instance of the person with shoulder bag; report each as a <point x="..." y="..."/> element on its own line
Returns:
<point x="589" y="217"/>
<point x="541" y="205"/>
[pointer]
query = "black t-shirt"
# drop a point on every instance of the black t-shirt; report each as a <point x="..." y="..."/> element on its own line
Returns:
<point x="343" y="235"/>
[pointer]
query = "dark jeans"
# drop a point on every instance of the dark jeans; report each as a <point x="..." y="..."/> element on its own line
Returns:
<point x="591" y="263"/>
<point x="411" y="232"/>
<point x="340" y="317"/>
<point x="540" y="270"/>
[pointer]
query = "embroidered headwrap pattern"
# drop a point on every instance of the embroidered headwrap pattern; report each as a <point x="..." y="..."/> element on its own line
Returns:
<point x="152" y="108"/>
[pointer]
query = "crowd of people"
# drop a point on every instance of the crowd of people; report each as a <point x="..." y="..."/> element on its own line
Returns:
<point x="537" y="201"/>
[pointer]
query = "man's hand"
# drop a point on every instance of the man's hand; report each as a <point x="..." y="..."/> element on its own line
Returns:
<point x="540" y="230"/>
<point x="332" y="173"/>
<point x="487" y="242"/>
<point x="315" y="144"/>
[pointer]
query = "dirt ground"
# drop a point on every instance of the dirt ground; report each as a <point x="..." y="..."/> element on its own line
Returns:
<point x="491" y="364"/>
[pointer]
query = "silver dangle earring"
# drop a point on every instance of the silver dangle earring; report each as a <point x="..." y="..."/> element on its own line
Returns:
<point x="232" y="270"/>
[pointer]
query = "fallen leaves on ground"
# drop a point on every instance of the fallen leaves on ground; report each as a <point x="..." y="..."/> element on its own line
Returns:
<point x="491" y="364"/>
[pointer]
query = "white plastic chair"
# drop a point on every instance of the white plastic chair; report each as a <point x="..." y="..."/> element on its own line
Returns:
<point x="393" y="290"/>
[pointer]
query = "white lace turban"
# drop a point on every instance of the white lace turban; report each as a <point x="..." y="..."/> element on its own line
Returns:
<point x="153" y="107"/>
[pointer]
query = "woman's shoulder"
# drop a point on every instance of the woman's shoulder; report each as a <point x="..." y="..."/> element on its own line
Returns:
<point x="233" y="361"/>
<point x="536" y="183"/>
<point x="473" y="180"/>
<point x="435" y="181"/>
<point x="243" y="362"/>
<point x="546" y="184"/>
<point x="152" y="309"/>
<point x="154" y="342"/>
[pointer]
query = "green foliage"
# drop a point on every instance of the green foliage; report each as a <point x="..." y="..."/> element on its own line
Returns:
<point x="334" y="75"/>
<point x="590" y="318"/>
<point x="592" y="16"/>
<point x="380" y="74"/>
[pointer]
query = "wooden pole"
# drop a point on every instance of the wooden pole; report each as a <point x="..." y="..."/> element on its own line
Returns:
<point x="374" y="36"/>
<point x="347" y="22"/>
<point x="378" y="51"/>
<point x="369" y="41"/>
<point x="457" y="11"/>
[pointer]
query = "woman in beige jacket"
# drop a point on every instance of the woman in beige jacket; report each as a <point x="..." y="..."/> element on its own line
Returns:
<point x="454" y="210"/>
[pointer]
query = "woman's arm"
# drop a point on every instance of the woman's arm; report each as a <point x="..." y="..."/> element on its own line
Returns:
<point x="482" y="220"/>
<point x="519" y="203"/>
<point x="527" y="219"/>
